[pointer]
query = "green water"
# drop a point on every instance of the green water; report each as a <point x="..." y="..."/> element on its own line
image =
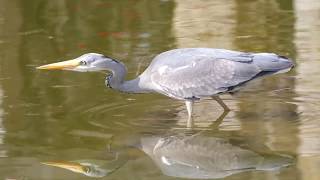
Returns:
<point x="70" y="118"/>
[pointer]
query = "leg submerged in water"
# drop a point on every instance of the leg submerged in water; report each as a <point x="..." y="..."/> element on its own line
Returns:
<point x="222" y="104"/>
<point x="189" y="105"/>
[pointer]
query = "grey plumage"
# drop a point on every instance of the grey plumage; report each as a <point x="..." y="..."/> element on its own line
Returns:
<point x="186" y="74"/>
<point x="204" y="157"/>
<point x="203" y="72"/>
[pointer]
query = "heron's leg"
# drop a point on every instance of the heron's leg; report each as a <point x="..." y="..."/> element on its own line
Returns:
<point x="189" y="104"/>
<point x="219" y="120"/>
<point x="222" y="104"/>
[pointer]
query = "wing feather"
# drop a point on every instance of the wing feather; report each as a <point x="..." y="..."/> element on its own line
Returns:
<point x="201" y="77"/>
<point x="200" y="72"/>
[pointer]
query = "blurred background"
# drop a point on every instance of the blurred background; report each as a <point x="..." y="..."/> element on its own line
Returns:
<point x="67" y="116"/>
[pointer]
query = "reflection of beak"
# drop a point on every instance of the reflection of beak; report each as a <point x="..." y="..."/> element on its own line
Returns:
<point x="72" y="166"/>
<point x="71" y="64"/>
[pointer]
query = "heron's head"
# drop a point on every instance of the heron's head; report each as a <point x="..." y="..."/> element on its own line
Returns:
<point x="86" y="168"/>
<point x="84" y="63"/>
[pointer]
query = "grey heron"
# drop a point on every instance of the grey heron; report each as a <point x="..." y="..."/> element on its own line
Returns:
<point x="188" y="74"/>
<point x="207" y="157"/>
<point x="192" y="156"/>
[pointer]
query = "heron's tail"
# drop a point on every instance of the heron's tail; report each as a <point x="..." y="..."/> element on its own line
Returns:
<point x="272" y="63"/>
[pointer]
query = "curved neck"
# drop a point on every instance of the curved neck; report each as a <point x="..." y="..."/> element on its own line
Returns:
<point x="116" y="79"/>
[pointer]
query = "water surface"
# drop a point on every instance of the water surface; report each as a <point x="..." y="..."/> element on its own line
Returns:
<point x="67" y="125"/>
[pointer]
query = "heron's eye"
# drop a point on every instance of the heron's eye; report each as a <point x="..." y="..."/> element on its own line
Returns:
<point x="83" y="63"/>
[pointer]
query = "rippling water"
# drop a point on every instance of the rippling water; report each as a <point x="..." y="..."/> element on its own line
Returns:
<point x="67" y="125"/>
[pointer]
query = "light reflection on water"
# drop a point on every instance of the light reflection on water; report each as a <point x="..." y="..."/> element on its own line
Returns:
<point x="72" y="117"/>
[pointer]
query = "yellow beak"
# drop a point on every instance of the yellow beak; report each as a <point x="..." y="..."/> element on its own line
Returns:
<point x="72" y="166"/>
<point x="70" y="64"/>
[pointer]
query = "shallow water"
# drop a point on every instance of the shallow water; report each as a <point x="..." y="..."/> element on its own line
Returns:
<point x="67" y="125"/>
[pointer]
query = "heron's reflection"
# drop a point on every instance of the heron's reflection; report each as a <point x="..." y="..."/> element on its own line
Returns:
<point x="88" y="167"/>
<point x="101" y="168"/>
<point x="200" y="156"/>
<point x="193" y="152"/>
<point x="186" y="155"/>
<point x="92" y="167"/>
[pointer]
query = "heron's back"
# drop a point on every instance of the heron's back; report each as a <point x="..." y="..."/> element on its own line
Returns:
<point x="201" y="72"/>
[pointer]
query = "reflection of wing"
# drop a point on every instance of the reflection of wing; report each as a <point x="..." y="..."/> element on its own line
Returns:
<point x="201" y="72"/>
<point x="205" y="157"/>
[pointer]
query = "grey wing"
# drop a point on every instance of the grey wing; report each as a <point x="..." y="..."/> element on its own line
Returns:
<point x="202" y="77"/>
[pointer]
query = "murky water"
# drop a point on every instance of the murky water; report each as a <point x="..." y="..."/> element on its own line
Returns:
<point x="67" y="125"/>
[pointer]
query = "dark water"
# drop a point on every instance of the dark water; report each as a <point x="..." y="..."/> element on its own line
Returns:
<point x="72" y="121"/>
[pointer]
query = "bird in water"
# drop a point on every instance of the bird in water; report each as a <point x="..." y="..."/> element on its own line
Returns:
<point x="188" y="74"/>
